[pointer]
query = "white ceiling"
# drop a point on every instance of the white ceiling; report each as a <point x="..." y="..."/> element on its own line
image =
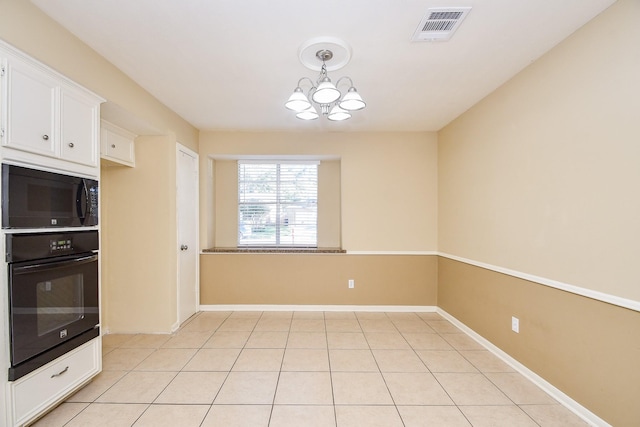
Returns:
<point x="231" y="64"/>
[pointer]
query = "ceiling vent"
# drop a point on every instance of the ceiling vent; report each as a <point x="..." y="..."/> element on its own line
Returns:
<point x="440" y="23"/>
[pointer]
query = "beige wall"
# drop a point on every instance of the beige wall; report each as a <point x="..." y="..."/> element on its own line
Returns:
<point x="318" y="279"/>
<point x="542" y="175"/>
<point x="388" y="183"/>
<point x="388" y="188"/>
<point x="138" y="219"/>
<point x="587" y="349"/>
<point x="225" y="205"/>
<point x="329" y="204"/>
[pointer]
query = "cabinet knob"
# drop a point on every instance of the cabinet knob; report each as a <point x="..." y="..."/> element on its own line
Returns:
<point x="184" y="247"/>
<point x="45" y="137"/>
<point x="71" y="145"/>
<point x="113" y="145"/>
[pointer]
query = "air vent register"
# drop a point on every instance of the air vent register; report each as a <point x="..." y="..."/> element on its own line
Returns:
<point x="440" y="23"/>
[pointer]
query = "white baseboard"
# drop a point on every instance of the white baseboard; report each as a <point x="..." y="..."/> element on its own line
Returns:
<point x="277" y="307"/>
<point x="582" y="412"/>
<point x="175" y="327"/>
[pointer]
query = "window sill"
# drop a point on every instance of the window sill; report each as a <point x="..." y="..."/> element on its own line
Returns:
<point x="276" y="250"/>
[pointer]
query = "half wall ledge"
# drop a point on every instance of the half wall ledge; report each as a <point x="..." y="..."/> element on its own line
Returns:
<point x="258" y="250"/>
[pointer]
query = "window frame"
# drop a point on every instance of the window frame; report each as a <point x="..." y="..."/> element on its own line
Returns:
<point x="276" y="205"/>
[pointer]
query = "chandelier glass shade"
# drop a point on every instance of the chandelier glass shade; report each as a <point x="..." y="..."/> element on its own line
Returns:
<point x="324" y="95"/>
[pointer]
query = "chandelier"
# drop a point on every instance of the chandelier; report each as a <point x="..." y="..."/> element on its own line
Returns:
<point x="325" y="95"/>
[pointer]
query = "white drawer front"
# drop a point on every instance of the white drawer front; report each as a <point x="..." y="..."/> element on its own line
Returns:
<point x="120" y="148"/>
<point x="37" y="391"/>
<point x="117" y="144"/>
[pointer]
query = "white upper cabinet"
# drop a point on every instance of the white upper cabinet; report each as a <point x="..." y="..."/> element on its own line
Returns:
<point x="117" y="145"/>
<point x="30" y="109"/>
<point x="79" y="119"/>
<point x="46" y="118"/>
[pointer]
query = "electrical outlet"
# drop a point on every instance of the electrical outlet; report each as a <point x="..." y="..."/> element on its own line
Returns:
<point x="352" y="283"/>
<point x="515" y="325"/>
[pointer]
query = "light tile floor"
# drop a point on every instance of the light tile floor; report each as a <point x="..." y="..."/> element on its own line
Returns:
<point x="307" y="369"/>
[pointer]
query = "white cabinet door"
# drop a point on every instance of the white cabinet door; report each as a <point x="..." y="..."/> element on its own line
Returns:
<point x="30" y="110"/>
<point x="117" y="144"/>
<point x="78" y="129"/>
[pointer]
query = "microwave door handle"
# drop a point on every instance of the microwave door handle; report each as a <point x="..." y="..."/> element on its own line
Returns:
<point x="82" y="196"/>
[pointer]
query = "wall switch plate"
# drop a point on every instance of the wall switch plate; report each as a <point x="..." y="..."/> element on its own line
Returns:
<point x="352" y="283"/>
<point x="515" y="325"/>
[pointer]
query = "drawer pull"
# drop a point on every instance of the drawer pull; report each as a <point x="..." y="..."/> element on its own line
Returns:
<point x="60" y="373"/>
<point x="45" y="137"/>
<point x="71" y="145"/>
<point x="113" y="145"/>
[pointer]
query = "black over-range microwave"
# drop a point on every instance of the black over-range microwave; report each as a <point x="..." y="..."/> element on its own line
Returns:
<point x="36" y="199"/>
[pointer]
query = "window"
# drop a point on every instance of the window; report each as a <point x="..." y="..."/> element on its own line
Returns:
<point x="277" y="204"/>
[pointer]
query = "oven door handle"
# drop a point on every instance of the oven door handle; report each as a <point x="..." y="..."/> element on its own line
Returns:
<point x="29" y="268"/>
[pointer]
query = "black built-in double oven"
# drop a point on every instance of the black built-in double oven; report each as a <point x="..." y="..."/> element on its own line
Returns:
<point x="51" y="245"/>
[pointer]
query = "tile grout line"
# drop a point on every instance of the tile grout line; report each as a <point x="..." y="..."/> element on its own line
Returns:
<point x="333" y="394"/>
<point x="442" y="386"/>
<point x="226" y="376"/>
<point x="182" y="368"/>
<point x="275" y="391"/>
<point x="395" y="405"/>
<point x="483" y="373"/>
<point x="427" y="367"/>
<point x="508" y="397"/>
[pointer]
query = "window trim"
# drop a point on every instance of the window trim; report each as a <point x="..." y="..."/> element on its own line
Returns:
<point x="277" y="246"/>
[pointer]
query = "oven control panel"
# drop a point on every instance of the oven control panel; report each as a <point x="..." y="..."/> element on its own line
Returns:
<point x="30" y="246"/>
<point x="57" y="246"/>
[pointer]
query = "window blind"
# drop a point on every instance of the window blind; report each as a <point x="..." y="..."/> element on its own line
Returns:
<point x="277" y="204"/>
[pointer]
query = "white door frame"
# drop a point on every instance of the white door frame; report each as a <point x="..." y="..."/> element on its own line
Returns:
<point x="181" y="148"/>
